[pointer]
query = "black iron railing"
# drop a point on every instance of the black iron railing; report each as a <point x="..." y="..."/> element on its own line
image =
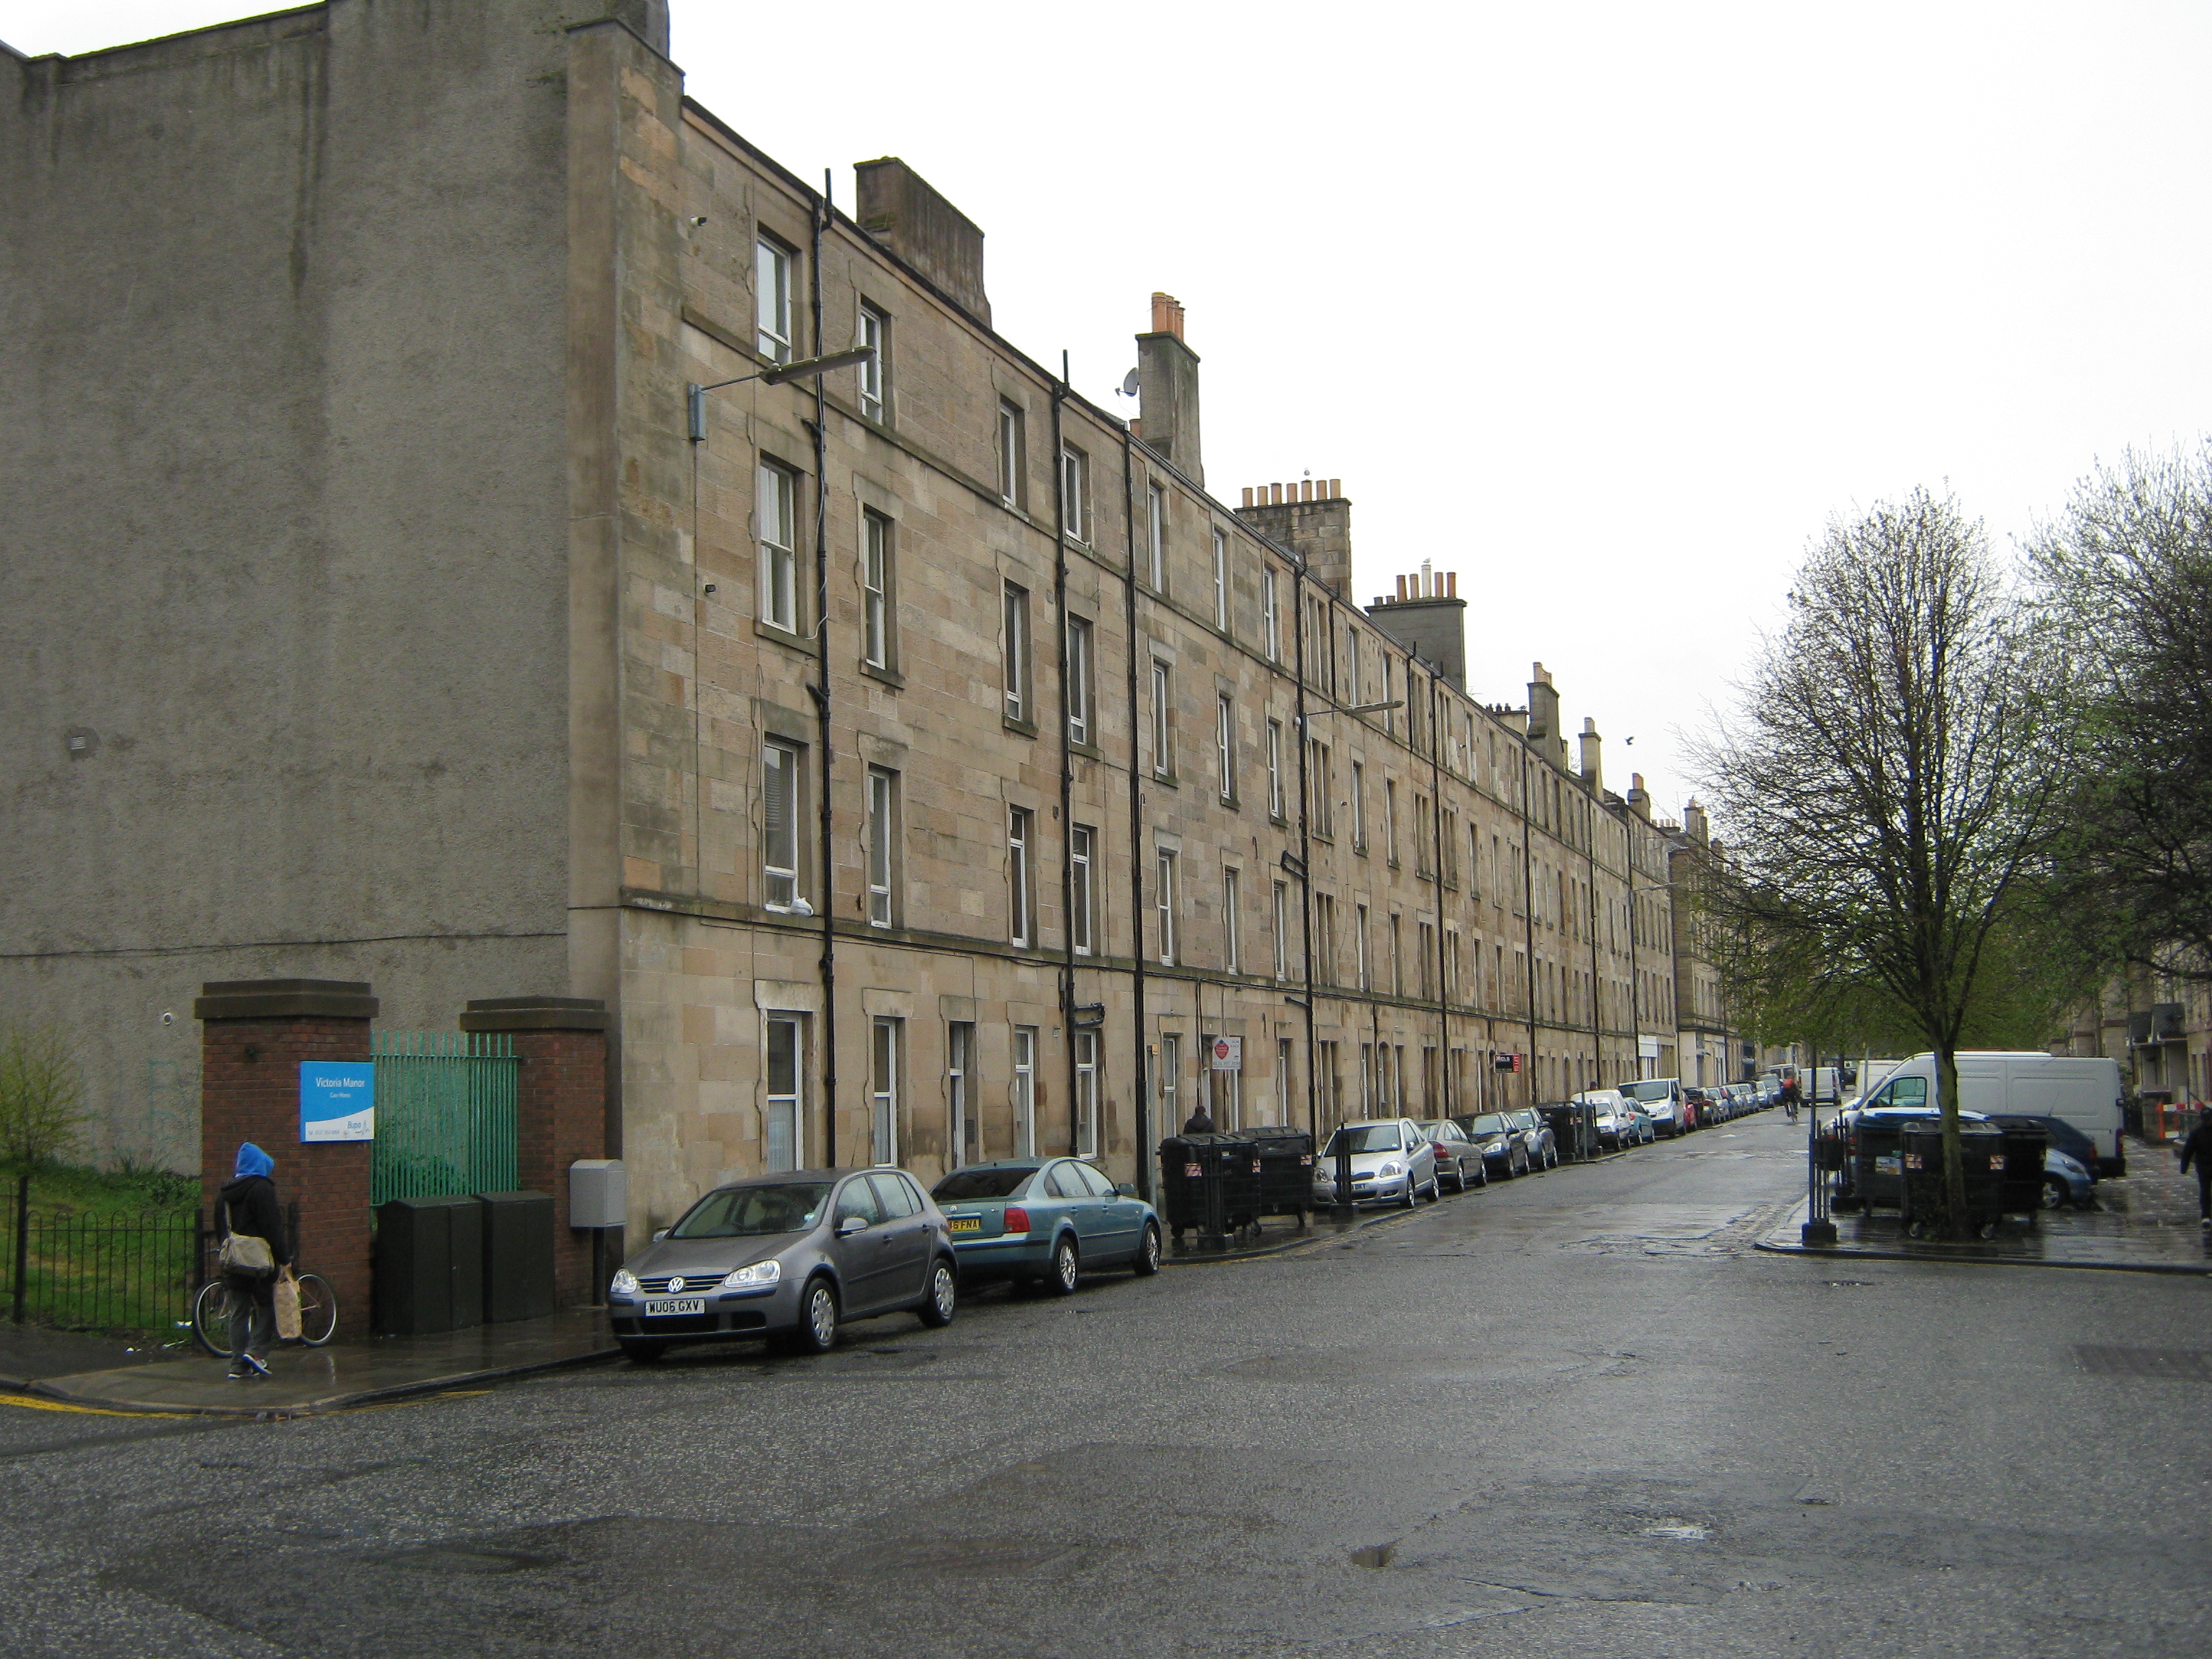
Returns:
<point x="134" y="1272"/>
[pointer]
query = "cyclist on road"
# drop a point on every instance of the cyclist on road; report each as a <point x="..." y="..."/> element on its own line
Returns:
<point x="1792" y="1097"/>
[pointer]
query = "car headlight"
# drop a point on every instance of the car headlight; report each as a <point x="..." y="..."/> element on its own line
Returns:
<point x="761" y="1272"/>
<point x="625" y="1282"/>
<point x="1392" y="1167"/>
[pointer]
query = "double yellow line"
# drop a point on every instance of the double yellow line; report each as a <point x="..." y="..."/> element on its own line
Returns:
<point x="31" y="1402"/>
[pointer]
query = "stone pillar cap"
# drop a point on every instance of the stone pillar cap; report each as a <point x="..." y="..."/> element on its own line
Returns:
<point x="535" y="1014"/>
<point x="285" y="998"/>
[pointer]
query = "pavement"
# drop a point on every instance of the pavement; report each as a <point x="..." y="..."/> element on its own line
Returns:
<point x="2145" y="1221"/>
<point x="1583" y="1415"/>
<point x="186" y="1382"/>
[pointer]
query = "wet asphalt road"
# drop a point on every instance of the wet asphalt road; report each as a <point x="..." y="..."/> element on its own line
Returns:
<point x="1577" y="1415"/>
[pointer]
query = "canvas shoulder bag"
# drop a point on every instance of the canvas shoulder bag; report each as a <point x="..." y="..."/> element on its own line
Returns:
<point x="242" y="1253"/>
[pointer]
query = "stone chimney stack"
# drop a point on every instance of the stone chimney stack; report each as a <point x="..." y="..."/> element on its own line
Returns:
<point x="1429" y="618"/>
<point x="1695" y="824"/>
<point x="1639" y="800"/>
<point x="1312" y="518"/>
<point x="899" y="208"/>
<point x="1544" y="717"/>
<point x="1167" y="386"/>
<point x="1593" y="774"/>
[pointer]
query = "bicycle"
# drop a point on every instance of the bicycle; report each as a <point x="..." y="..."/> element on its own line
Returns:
<point x="318" y="1314"/>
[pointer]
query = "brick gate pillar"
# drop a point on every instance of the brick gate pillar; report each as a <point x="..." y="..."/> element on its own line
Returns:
<point x="253" y="1034"/>
<point x="562" y="1111"/>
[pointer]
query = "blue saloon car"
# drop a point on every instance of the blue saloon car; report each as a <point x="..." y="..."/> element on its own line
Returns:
<point x="1045" y="1220"/>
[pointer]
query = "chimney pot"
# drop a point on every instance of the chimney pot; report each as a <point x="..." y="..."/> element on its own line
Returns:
<point x="1247" y="494"/>
<point x="1274" y="494"/>
<point x="1336" y="488"/>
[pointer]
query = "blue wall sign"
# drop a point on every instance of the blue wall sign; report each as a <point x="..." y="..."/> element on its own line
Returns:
<point x="337" y="1100"/>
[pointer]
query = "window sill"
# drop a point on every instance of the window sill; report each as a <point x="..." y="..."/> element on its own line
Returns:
<point x="1167" y="780"/>
<point x="1024" y="728"/>
<point x="1087" y="750"/>
<point x="1230" y="803"/>
<point x="889" y="677"/>
<point x="1360" y="848"/>
<point x="1278" y="820"/>
<point x="768" y="630"/>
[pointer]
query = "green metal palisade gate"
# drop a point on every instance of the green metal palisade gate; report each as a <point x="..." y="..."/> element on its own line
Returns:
<point x="445" y="1114"/>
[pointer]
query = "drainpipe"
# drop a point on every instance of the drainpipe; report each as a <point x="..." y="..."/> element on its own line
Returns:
<point x="1305" y="886"/>
<point x="1528" y="913"/>
<point x="1066" y="765"/>
<point x="1597" y="1017"/>
<point x="1142" y="1072"/>
<point x="820" y="689"/>
<point x="1436" y="826"/>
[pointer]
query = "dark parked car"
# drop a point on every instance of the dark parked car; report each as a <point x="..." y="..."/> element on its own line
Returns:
<point x="1459" y="1160"/>
<point x="1503" y="1150"/>
<point x="792" y="1255"/>
<point x="1045" y="1221"/>
<point x="1536" y="1135"/>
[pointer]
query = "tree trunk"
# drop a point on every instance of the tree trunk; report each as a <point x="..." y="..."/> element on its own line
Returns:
<point x="1956" y="1224"/>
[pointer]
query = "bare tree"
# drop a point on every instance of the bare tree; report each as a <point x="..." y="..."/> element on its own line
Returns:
<point x="1888" y="784"/>
<point x="2126" y="572"/>
<point x="41" y="1119"/>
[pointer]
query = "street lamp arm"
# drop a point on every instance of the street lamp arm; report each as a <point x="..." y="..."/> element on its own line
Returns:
<point x="806" y="369"/>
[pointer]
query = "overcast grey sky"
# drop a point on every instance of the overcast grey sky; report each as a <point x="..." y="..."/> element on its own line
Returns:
<point x="1607" y="308"/>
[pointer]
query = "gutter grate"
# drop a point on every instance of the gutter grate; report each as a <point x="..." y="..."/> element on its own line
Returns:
<point x="2169" y="1365"/>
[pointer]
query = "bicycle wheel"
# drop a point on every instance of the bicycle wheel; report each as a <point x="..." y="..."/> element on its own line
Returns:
<point x="211" y="1318"/>
<point x="319" y="1310"/>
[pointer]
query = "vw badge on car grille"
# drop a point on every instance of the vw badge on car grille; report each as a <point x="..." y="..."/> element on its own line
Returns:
<point x="676" y="1283"/>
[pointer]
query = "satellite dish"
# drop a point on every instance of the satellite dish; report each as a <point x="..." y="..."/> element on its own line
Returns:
<point x="1129" y="383"/>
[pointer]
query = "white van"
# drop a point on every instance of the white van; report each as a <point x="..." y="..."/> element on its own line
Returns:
<point x="2085" y="1093"/>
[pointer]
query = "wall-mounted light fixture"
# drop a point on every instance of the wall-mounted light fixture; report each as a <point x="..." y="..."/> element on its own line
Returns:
<point x="805" y="368"/>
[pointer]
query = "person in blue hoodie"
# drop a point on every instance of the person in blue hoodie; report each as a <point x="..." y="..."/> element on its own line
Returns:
<point x="247" y="1205"/>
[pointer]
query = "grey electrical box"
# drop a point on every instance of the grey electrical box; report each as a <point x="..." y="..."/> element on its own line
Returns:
<point x="598" y="1193"/>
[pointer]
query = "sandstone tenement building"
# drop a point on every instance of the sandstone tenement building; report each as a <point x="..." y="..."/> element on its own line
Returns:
<point x="919" y="760"/>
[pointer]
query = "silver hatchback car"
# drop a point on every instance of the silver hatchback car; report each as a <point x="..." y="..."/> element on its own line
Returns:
<point x="1391" y="1159"/>
<point x="789" y="1255"/>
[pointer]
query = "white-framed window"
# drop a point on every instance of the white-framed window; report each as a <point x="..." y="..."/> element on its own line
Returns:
<point x="772" y="299"/>
<point x="778" y="512"/>
<point x="1351" y="662"/>
<point x="1271" y="627"/>
<point x="780" y="824"/>
<point x="1359" y="949"/>
<point x="883" y="1088"/>
<point x="1397" y="955"/>
<point x="783" y="1118"/>
<point x="1014" y="651"/>
<point x="1358" y="807"/>
<point x="1170" y="1081"/>
<point x="1012" y="448"/>
<point x="883" y="844"/>
<point x="1221" y="581"/>
<point x="876" y="597"/>
<point x="1075" y="492"/>
<point x="1081" y="840"/>
<point x="1232" y="920"/>
<point x="964" y="1135"/>
<point x="875" y="374"/>
<point x="1275" y="769"/>
<point x="1086" y="1093"/>
<point x="1020" y="822"/>
<point x="1163" y="721"/>
<point x="1026" y="1052"/>
<point x="1164" y="879"/>
<point x="1389" y="715"/>
<point x="1390" y="820"/>
<point x="1155" y="537"/>
<point x="1324" y="791"/>
<point x="1082" y="672"/>
<point x="1280" y="919"/>
<point x="1224" y="743"/>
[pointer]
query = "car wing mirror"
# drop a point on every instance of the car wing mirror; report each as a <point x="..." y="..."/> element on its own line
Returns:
<point x="847" y="1226"/>
<point x="1126" y="1188"/>
<point x="660" y="1235"/>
